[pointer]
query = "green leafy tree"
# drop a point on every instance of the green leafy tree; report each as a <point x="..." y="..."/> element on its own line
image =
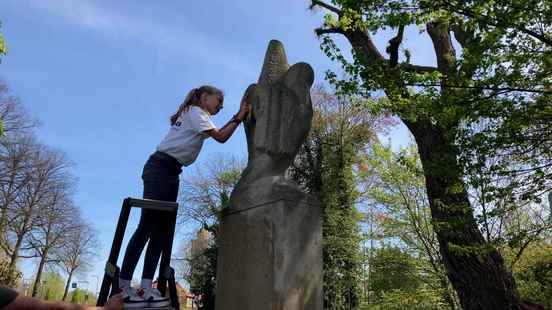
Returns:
<point x="508" y="46"/>
<point x="9" y="276"/>
<point x="51" y="286"/>
<point x="440" y="104"/>
<point x="397" y="283"/>
<point x="422" y="299"/>
<point x="325" y="167"/>
<point x="533" y="272"/>
<point x="395" y="190"/>
<point x="3" y="49"/>
<point x="393" y="269"/>
<point x="82" y="297"/>
<point x="203" y="275"/>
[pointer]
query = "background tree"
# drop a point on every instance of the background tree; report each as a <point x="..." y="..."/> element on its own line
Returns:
<point x="510" y="45"/>
<point x="43" y="167"/>
<point x="15" y="118"/>
<point x="400" y="213"/>
<point x="38" y="218"/>
<point x="435" y="111"/>
<point x="82" y="297"/>
<point x="9" y="276"/>
<point x="16" y="147"/>
<point x="51" y="287"/>
<point x="395" y="190"/>
<point x="3" y="48"/>
<point x="15" y="177"/>
<point x="204" y="193"/>
<point x="55" y="226"/>
<point x="398" y="283"/>
<point x="533" y="272"/>
<point x="77" y="253"/>
<point x="325" y="167"/>
<point x="3" y="51"/>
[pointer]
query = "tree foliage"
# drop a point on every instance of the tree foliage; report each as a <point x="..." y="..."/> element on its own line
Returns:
<point x="487" y="82"/>
<point x="3" y="49"/>
<point x="205" y="192"/>
<point x="9" y="276"/>
<point x="398" y="213"/>
<point x="397" y="282"/>
<point x="51" y="287"/>
<point x="325" y="167"/>
<point x="533" y="272"/>
<point x="38" y="217"/>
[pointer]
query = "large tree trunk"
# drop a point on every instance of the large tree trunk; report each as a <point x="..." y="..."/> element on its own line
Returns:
<point x="39" y="275"/>
<point x="67" y="285"/>
<point x="15" y="254"/>
<point x="475" y="268"/>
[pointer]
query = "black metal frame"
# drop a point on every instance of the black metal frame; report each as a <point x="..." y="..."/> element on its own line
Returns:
<point x="166" y="272"/>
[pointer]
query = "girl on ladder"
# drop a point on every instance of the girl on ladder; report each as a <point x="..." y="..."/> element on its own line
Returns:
<point x="190" y="126"/>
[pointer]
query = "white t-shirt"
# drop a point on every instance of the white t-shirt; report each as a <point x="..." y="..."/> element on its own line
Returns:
<point x="185" y="138"/>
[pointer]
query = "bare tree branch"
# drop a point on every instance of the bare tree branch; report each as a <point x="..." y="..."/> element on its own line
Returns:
<point x="369" y="50"/>
<point x="393" y="48"/>
<point x="444" y="51"/>
<point x="539" y="36"/>
<point x="321" y="31"/>
<point x="325" y="5"/>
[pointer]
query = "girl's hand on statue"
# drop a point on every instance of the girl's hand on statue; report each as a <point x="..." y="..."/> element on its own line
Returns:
<point x="244" y="108"/>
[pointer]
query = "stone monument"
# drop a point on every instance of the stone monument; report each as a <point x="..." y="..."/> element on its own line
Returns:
<point x="270" y="244"/>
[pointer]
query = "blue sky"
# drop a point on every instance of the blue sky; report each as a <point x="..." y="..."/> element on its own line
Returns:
<point x="103" y="77"/>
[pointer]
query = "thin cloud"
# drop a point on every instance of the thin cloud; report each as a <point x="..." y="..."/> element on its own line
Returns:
<point x="183" y="39"/>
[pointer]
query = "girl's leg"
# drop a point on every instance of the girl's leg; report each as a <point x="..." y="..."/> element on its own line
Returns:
<point x="159" y="234"/>
<point x="152" y="190"/>
<point x="135" y="247"/>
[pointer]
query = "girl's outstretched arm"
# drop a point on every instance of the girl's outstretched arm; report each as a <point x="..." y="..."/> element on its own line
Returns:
<point x="223" y="134"/>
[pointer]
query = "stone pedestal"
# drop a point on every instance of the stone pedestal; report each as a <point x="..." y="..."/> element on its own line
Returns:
<point x="270" y="250"/>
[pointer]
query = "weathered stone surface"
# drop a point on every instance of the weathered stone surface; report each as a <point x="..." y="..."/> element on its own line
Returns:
<point x="270" y="256"/>
<point x="270" y="239"/>
<point x="280" y="117"/>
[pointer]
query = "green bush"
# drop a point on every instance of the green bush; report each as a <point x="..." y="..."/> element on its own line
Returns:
<point x="420" y="299"/>
<point x="533" y="273"/>
<point x="8" y="276"/>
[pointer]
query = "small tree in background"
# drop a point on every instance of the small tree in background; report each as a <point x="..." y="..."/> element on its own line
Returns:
<point x="82" y="297"/>
<point x="3" y="48"/>
<point x="205" y="192"/>
<point x="398" y="207"/>
<point x="77" y="253"/>
<point x="51" y="287"/>
<point x="533" y="272"/>
<point x="341" y="129"/>
<point x="3" y="51"/>
<point x="9" y="276"/>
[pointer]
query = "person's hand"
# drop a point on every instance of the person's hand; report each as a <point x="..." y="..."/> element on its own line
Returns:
<point x="115" y="302"/>
<point x="244" y="106"/>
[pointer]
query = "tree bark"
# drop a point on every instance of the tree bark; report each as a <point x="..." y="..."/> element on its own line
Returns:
<point x="475" y="268"/>
<point x="39" y="275"/>
<point x="67" y="285"/>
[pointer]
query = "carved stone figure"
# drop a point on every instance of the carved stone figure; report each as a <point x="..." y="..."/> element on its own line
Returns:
<point x="270" y="251"/>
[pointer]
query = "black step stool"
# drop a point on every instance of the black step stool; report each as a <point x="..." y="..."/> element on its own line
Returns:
<point x="166" y="272"/>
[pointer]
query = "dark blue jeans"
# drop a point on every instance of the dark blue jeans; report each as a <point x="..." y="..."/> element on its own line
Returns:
<point x="160" y="176"/>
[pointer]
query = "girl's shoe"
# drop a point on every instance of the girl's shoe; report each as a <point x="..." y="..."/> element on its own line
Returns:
<point x="133" y="298"/>
<point x="155" y="299"/>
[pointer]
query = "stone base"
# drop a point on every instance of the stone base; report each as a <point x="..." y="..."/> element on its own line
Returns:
<point x="270" y="256"/>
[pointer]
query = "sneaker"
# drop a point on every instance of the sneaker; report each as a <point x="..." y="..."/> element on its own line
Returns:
<point x="155" y="299"/>
<point x="133" y="298"/>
